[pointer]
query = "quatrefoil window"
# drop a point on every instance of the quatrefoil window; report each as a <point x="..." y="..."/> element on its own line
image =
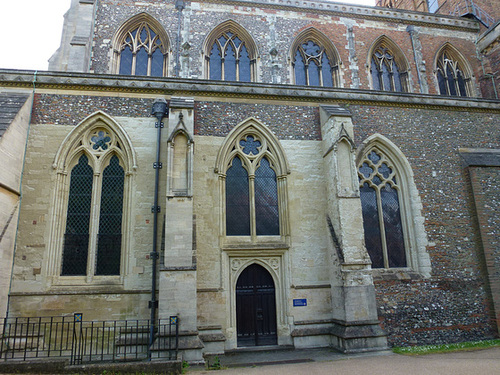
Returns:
<point x="100" y="141"/>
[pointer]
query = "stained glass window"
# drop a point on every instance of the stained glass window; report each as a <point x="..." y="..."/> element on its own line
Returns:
<point x="383" y="227"/>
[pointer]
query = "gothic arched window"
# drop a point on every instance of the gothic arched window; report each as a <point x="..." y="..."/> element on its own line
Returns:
<point x="82" y="220"/>
<point x="314" y="60"/>
<point x="230" y="54"/>
<point x="388" y="67"/>
<point x="380" y="197"/>
<point x="141" y="48"/>
<point x="451" y="73"/>
<point x="253" y="171"/>
<point x="392" y="219"/>
<point x="88" y="235"/>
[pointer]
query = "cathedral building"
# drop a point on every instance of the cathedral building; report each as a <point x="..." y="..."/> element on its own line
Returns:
<point x="275" y="173"/>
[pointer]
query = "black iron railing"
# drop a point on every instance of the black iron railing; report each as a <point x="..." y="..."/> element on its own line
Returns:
<point x="82" y="341"/>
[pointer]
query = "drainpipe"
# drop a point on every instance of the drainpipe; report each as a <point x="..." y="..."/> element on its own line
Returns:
<point x="179" y="5"/>
<point x="159" y="110"/>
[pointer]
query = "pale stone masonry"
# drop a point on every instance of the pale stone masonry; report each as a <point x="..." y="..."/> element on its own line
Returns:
<point x="356" y="266"/>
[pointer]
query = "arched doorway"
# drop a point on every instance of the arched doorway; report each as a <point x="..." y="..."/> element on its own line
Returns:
<point x="256" y="307"/>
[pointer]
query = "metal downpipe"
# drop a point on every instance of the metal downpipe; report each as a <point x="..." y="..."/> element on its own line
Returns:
<point x="159" y="110"/>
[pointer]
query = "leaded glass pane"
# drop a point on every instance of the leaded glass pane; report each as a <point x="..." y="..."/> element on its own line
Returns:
<point x="373" y="238"/>
<point x="396" y="76"/>
<point x="215" y="63"/>
<point x="141" y="62"/>
<point x="386" y="76"/>
<point x="76" y="237"/>
<point x="157" y="63"/>
<point x="313" y="72"/>
<point x="393" y="227"/>
<point x="237" y="200"/>
<point x="300" y="70"/>
<point x="126" y="61"/>
<point x="375" y="74"/>
<point x="244" y="65"/>
<point x="230" y="64"/>
<point x="266" y="200"/>
<point x="110" y="220"/>
<point x="326" y="71"/>
<point x="461" y="83"/>
<point x="451" y="80"/>
<point x="442" y="83"/>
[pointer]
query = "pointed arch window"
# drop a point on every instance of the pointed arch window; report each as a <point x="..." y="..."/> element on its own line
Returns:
<point x="253" y="172"/>
<point x="451" y="76"/>
<point x="141" y="48"/>
<point x="92" y="188"/>
<point x="392" y="220"/>
<point x="380" y="197"/>
<point x="230" y="54"/>
<point x="388" y="67"/>
<point x="314" y="60"/>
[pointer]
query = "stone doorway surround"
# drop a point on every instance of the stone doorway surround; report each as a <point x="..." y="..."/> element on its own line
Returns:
<point x="273" y="261"/>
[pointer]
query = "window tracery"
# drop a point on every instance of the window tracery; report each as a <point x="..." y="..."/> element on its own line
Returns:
<point x="314" y="60"/>
<point x="230" y="54"/>
<point x="93" y="181"/>
<point x="380" y="197"/>
<point x="388" y="67"/>
<point x="451" y="73"/>
<point x="253" y="173"/>
<point x="141" y="48"/>
<point x="393" y="224"/>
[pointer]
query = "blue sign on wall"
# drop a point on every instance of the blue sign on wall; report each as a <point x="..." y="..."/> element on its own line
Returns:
<point x="300" y="302"/>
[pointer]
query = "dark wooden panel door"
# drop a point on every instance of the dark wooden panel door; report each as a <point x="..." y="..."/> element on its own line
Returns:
<point x="256" y="307"/>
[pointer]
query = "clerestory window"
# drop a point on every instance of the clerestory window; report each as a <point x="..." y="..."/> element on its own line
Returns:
<point x="388" y="66"/>
<point x="451" y="76"/>
<point x="385" y="72"/>
<point x="140" y="48"/>
<point x="314" y="60"/>
<point x="230" y="53"/>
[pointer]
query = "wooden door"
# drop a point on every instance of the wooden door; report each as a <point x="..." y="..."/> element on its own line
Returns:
<point x="256" y="307"/>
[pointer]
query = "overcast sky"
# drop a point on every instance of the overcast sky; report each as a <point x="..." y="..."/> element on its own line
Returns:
<point x="31" y="31"/>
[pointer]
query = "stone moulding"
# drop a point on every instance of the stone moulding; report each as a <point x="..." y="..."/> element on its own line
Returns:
<point x="85" y="82"/>
<point x="358" y="11"/>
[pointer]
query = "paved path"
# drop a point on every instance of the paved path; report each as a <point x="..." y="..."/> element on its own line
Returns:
<point x="476" y="362"/>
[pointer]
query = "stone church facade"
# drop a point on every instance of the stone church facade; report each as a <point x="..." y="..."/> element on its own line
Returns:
<point x="326" y="175"/>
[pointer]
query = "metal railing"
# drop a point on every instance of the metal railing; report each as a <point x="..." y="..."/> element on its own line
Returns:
<point x="82" y="341"/>
<point x="465" y="7"/>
